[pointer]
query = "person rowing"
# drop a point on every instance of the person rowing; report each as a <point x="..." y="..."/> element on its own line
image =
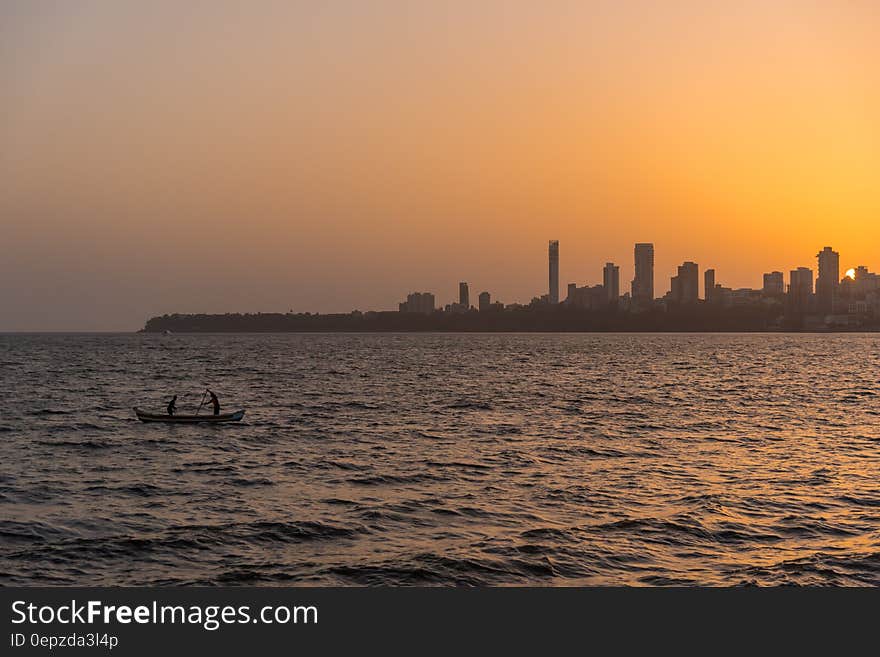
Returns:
<point x="172" y="405"/>
<point x="215" y="402"/>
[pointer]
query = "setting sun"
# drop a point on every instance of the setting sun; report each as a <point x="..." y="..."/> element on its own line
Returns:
<point x="851" y="274"/>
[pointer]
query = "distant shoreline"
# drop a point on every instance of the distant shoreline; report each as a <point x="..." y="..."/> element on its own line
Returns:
<point x="696" y="319"/>
<point x="863" y="330"/>
<point x="398" y="332"/>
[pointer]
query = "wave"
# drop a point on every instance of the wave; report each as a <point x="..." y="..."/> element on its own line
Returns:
<point x="458" y="464"/>
<point x="77" y="444"/>
<point x="384" y="480"/>
<point x="141" y="490"/>
<point x="443" y="570"/>
<point x="816" y="569"/>
<point x="466" y="404"/>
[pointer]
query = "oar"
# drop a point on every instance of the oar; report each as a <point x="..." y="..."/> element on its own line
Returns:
<point x="203" y="401"/>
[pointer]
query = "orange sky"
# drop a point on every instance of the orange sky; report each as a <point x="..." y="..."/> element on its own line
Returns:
<point x="281" y="155"/>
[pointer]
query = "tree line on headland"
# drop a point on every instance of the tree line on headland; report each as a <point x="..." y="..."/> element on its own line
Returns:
<point x="700" y="318"/>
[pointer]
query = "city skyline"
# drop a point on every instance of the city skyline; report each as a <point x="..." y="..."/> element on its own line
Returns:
<point x="816" y="286"/>
<point x="802" y="286"/>
<point x="831" y="303"/>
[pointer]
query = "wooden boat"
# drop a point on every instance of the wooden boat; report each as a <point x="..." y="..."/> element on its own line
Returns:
<point x="143" y="416"/>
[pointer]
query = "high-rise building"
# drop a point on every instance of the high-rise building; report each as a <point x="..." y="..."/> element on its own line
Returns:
<point x="611" y="281"/>
<point x="643" y="282"/>
<point x="774" y="284"/>
<point x="485" y="301"/>
<point x="418" y="302"/>
<point x="709" y="286"/>
<point x="587" y="297"/>
<point x="865" y="282"/>
<point x="464" y="297"/>
<point x="828" y="280"/>
<point x="685" y="287"/>
<point x="554" y="272"/>
<point x="800" y="290"/>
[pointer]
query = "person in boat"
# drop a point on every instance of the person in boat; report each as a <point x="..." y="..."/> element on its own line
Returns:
<point x="172" y="405"/>
<point x="215" y="402"/>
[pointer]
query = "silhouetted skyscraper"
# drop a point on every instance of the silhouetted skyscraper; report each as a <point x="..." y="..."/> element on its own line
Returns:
<point x="554" y="271"/>
<point x="418" y="302"/>
<point x="774" y="284"/>
<point x="643" y="282"/>
<point x="800" y="290"/>
<point x="866" y="283"/>
<point x="464" y="297"/>
<point x="828" y="280"/>
<point x="709" y="285"/>
<point x="611" y="281"/>
<point x="685" y="287"/>
<point x="485" y="301"/>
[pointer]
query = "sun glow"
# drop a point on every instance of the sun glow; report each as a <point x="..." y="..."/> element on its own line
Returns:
<point x="851" y="274"/>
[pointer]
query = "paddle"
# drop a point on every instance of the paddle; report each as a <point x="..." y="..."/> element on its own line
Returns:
<point x="203" y="401"/>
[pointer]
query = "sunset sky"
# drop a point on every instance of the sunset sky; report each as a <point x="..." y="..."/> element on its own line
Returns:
<point x="325" y="156"/>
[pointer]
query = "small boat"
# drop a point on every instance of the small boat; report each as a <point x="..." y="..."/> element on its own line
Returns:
<point x="143" y="416"/>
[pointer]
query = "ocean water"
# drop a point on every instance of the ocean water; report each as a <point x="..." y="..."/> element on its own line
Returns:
<point x="581" y="459"/>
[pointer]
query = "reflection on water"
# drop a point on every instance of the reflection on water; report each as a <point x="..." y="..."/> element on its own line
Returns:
<point x="443" y="459"/>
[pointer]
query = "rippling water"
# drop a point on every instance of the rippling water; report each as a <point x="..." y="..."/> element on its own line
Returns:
<point x="443" y="459"/>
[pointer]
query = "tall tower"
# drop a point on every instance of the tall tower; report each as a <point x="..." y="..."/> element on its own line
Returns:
<point x="611" y="282"/>
<point x="643" y="283"/>
<point x="800" y="290"/>
<point x="709" y="285"/>
<point x="685" y="287"/>
<point x="828" y="280"/>
<point x="554" y="271"/>
<point x="464" y="297"/>
<point x="774" y="284"/>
